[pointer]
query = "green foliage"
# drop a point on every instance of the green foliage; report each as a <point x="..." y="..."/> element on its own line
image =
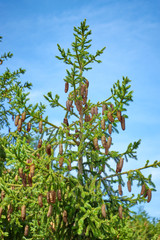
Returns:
<point x="63" y="174"/>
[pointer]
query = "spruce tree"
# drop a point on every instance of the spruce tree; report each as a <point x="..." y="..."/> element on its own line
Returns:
<point x="57" y="182"/>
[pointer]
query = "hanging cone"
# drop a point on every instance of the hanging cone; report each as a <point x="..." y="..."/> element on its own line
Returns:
<point x="48" y="149"/>
<point x="39" y="143"/>
<point x="26" y="230"/>
<point x="66" y="87"/>
<point x="19" y="128"/>
<point x="110" y="117"/>
<point x="120" y="189"/>
<point x="40" y="127"/>
<point x="61" y="159"/>
<point x="23" y="116"/>
<point x="149" y="194"/>
<point x="60" y="149"/>
<point x="40" y="202"/>
<point x="103" y="123"/>
<point x="103" y="140"/>
<point x="52" y="196"/>
<point x="119" y="115"/>
<point x="49" y="211"/>
<point x="120" y="211"/>
<point x="110" y="128"/>
<point x="28" y="126"/>
<point x="103" y="210"/>
<point x="65" y="216"/>
<point x="143" y="189"/>
<point x="123" y="123"/>
<point x="59" y="195"/>
<point x="129" y="185"/>
<point x="104" y="108"/>
<point x="23" y="212"/>
<point x="16" y="120"/>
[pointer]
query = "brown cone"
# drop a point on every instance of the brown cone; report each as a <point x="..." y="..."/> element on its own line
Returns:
<point x="103" y="210"/>
<point x="120" y="211"/>
<point x="129" y="185"/>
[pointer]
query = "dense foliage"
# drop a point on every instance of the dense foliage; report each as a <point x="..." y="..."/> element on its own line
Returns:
<point x="64" y="182"/>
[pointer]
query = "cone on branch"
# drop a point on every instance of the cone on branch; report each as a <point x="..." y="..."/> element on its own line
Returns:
<point x="49" y="213"/>
<point x="96" y="110"/>
<point x="26" y="230"/>
<point x="64" y="216"/>
<point x="120" y="189"/>
<point x="52" y="196"/>
<point x="149" y="194"/>
<point x="52" y="226"/>
<point x="143" y="189"/>
<point x="2" y="194"/>
<point x="16" y="120"/>
<point x="123" y="122"/>
<point x="59" y="195"/>
<point x="65" y="121"/>
<point x="40" y="202"/>
<point x="66" y="87"/>
<point x="23" y="212"/>
<point x="48" y="149"/>
<point x="103" y="210"/>
<point x="24" y="182"/>
<point x="60" y="149"/>
<point x="119" y="115"/>
<point x="109" y="141"/>
<point x="48" y="197"/>
<point x="103" y="140"/>
<point x="110" y="117"/>
<point x="28" y="126"/>
<point x="61" y="159"/>
<point x="19" y="128"/>
<point x="104" y="108"/>
<point x="32" y="169"/>
<point x="120" y="209"/>
<point x="129" y="185"/>
<point x="92" y="111"/>
<point x="119" y="165"/>
<point x="39" y="143"/>
<point x="110" y="128"/>
<point x="69" y="165"/>
<point x="23" y="116"/>
<point x="40" y="127"/>
<point x="103" y="123"/>
<point x="95" y="143"/>
<point x="1" y="210"/>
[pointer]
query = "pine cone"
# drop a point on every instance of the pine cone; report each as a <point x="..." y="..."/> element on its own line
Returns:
<point x="110" y="117"/>
<point x="110" y="128"/>
<point x="48" y="149"/>
<point x="23" y="116"/>
<point x="120" y="211"/>
<point x="143" y="189"/>
<point x="123" y="123"/>
<point x="65" y="216"/>
<point x="59" y="195"/>
<point x="23" y="212"/>
<point x="39" y="143"/>
<point x="120" y="189"/>
<point x="28" y="126"/>
<point x="119" y="115"/>
<point x="61" y="159"/>
<point x="26" y="230"/>
<point x="40" y="202"/>
<point x="19" y="125"/>
<point x="52" y="196"/>
<point x="40" y="127"/>
<point x="103" y="123"/>
<point x="149" y="194"/>
<point x="66" y="87"/>
<point x="103" y="210"/>
<point x="129" y="185"/>
<point x="60" y="149"/>
<point x="16" y="120"/>
<point x="49" y="211"/>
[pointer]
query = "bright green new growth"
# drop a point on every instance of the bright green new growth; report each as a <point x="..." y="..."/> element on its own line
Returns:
<point x="73" y="162"/>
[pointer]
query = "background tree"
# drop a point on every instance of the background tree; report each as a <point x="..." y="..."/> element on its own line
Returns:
<point x="66" y="187"/>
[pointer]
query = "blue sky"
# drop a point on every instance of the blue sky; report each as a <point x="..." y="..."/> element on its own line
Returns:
<point x="130" y="30"/>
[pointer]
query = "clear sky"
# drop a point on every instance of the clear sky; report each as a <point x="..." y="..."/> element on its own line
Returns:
<point x="130" y="30"/>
